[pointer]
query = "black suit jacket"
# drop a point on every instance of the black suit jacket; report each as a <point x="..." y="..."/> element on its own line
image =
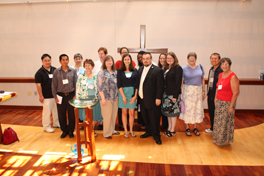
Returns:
<point x="218" y="70"/>
<point x="173" y="81"/>
<point x="153" y="86"/>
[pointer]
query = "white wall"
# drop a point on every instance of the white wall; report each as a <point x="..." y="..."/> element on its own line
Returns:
<point x="235" y="29"/>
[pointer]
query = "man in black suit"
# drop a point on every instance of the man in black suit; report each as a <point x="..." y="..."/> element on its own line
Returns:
<point x="151" y="86"/>
<point x="211" y="87"/>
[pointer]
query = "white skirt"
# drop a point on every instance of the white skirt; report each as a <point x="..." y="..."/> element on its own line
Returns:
<point x="192" y="97"/>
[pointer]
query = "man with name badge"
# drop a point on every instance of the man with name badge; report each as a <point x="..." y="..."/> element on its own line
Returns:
<point x="63" y="90"/>
<point x="151" y="86"/>
<point x="211" y="87"/>
<point x="43" y="79"/>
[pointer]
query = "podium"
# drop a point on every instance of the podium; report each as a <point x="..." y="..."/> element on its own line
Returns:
<point x="88" y="141"/>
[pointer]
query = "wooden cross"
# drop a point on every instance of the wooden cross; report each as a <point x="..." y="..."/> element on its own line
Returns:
<point x="143" y="44"/>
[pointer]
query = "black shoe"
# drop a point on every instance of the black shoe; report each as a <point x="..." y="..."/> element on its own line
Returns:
<point x="158" y="141"/>
<point x="63" y="135"/>
<point x="71" y="135"/>
<point x="99" y="127"/>
<point x="109" y="137"/>
<point x="145" y="135"/>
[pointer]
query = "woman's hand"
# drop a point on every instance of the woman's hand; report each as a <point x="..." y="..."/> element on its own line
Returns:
<point x="203" y="96"/>
<point x="231" y="110"/>
<point x="125" y="100"/>
<point x="103" y="102"/>
<point x="133" y="99"/>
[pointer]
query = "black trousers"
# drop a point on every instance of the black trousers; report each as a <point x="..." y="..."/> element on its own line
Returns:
<point x="151" y="118"/>
<point x="211" y="107"/>
<point x="164" y="121"/>
<point x="62" y="109"/>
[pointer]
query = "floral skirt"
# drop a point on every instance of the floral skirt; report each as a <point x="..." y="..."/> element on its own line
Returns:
<point x="170" y="108"/>
<point x="194" y="111"/>
<point x="224" y="123"/>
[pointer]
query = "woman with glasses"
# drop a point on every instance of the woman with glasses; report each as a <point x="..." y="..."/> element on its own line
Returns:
<point x="193" y="94"/>
<point x="225" y="102"/>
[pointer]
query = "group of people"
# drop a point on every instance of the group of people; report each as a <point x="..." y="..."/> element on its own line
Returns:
<point x="156" y="90"/>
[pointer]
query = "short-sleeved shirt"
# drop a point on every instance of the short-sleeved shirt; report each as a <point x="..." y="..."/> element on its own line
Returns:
<point x="79" y="71"/>
<point x="193" y="76"/>
<point x="97" y="66"/>
<point x="119" y="62"/>
<point x="44" y="77"/>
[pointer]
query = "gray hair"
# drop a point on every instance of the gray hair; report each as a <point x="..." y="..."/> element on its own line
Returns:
<point x="77" y="55"/>
<point x="226" y="59"/>
<point x="192" y="54"/>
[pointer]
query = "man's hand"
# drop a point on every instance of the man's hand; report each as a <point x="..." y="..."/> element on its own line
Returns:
<point x="158" y="102"/>
<point x="57" y="100"/>
<point x="41" y="99"/>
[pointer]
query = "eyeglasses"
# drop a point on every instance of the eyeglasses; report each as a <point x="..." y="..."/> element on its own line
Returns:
<point x="226" y="64"/>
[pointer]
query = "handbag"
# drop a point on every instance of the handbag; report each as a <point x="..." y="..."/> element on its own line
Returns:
<point x="182" y="106"/>
<point x="9" y="136"/>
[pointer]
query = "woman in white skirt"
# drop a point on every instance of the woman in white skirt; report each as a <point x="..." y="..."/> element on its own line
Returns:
<point x="193" y="93"/>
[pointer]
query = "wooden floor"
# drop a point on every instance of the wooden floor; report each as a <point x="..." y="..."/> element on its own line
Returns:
<point x="41" y="153"/>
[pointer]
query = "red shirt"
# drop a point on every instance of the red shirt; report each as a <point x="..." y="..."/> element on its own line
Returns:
<point x="225" y="93"/>
<point x="118" y="64"/>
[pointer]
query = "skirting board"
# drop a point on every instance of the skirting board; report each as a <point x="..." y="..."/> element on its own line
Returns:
<point x="40" y="108"/>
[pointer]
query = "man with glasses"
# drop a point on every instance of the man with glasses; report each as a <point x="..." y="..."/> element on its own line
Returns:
<point x="211" y="86"/>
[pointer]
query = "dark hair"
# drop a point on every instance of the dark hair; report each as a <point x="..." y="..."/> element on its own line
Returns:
<point x="64" y="55"/>
<point x="159" y="64"/>
<point x="77" y="55"/>
<point x="139" y="63"/>
<point x="108" y="57"/>
<point x="103" y="49"/>
<point x="192" y="54"/>
<point x="45" y="55"/>
<point x="148" y="53"/>
<point x="122" y="49"/>
<point x="216" y="54"/>
<point x="176" y="61"/>
<point x="123" y="67"/>
<point x="226" y="59"/>
<point x="88" y="61"/>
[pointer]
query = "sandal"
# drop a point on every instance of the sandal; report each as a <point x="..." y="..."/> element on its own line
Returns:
<point x="173" y="133"/>
<point x="133" y="135"/>
<point x="166" y="133"/>
<point x="195" y="131"/>
<point x="188" y="132"/>
<point x="126" y="135"/>
<point x="169" y="135"/>
<point x="95" y="134"/>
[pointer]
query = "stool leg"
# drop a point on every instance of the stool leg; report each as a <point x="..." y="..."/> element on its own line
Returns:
<point x="91" y="150"/>
<point x="79" y="153"/>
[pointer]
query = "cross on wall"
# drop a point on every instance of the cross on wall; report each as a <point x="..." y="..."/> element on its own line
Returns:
<point x="143" y="44"/>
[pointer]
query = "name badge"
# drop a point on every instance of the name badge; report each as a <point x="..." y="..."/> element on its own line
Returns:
<point x="128" y="75"/>
<point x="219" y="87"/>
<point x="65" y="81"/>
<point x="50" y="75"/>
<point x="90" y="86"/>
<point x="211" y="79"/>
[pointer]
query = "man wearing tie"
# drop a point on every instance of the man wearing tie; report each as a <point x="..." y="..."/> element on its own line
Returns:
<point x="151" y="85"/>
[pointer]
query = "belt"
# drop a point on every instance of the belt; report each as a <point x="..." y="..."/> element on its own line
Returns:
<point x="64" y="94"/>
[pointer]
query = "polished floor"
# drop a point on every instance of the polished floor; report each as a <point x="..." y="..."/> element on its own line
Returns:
<point x="44" y="153"/>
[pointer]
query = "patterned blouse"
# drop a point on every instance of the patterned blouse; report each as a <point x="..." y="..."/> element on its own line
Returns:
<point x="107" y="83"/>
<point x="86" y="88"/>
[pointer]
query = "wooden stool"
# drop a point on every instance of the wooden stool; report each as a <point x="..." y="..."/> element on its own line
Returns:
<point x="88" y="134"/>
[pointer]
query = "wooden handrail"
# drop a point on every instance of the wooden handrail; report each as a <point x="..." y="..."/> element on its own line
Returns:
<point x="243" y="81"/>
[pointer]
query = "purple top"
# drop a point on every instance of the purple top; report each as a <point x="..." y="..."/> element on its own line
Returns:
<point x="193" y="76"/>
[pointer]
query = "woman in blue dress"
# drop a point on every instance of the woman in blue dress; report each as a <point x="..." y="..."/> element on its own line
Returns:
<point x="86" y="88"/>
<point x="127" y="77"/>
